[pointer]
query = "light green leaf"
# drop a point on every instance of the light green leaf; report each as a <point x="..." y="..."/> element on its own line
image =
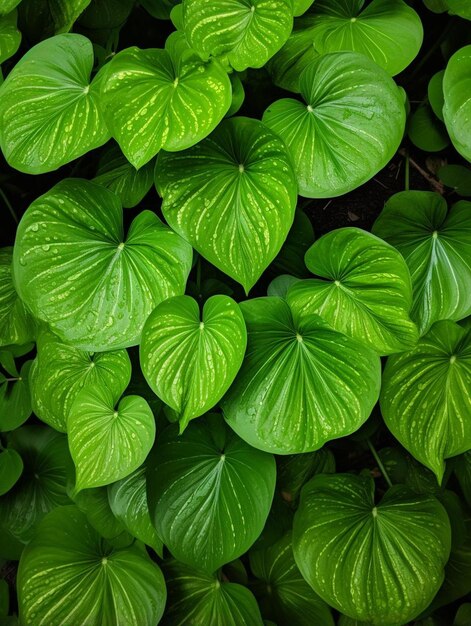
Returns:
<point x="42" y="485"/>
<point x="301" y="6"/>
<point x="248" y="32"/>
<point x="209" y="493"/>
<point x="435" y="94"/>
<point x="49" y="111"/>
<point x="6" y="6"/>
<point x="10" y="36"/>
<point x="238" y="94"/>
<point x="280" y="285"/>
<point x="426" y="399"/>
<point x="11" y="468"/>
<point x="232" y="197"/>
<point x="108" y="443"/>
<point x="60" y="371"/>
<point x="75" y="270"/>
<point x="128" y="501"/>
<point x="168" y="99"/>
<point x="202" y="599"/>
<point x="426" y="131"/>
<point x="460" y="7"/>
<point x="15" y="399"/>
<point x="16" y="325"/>
<point x="374" y="562"/>
<point x="302" y="383"/>
<point x="349" y="127"/>
<point x="68" y="575"/>
<point x="119" y="176"/>
<point x="367" y="293"/>
<point x="457" y="108"/>
<point x="190" y="360"/>
<point x="436" y="245"/>
<point x="282" y="592"/>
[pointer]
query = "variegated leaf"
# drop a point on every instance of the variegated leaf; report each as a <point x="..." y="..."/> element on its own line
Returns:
<point x="232" y="197"/>
<point x="16" y="324"/>
<point x="426" y="396"/>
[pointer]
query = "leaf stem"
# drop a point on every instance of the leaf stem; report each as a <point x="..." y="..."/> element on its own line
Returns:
<point x="378" y="462"/>
<point x="9" y="207"/>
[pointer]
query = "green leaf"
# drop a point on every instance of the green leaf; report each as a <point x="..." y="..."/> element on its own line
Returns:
<point x="436" y="246"/>
<point x="232" y="197"/>
<point x="16" y="325"/>
<point x="458" y="177"/>
<point x="10" y="36"/>
<point x="302" y="383"/>
<point x="15" y="400"/>
<point x="280" y="285"/>
<point x="119" y="176"/>
<point x="248" y="32"/>
<point x="95" y="505"/>
<point x="463" y="615"/>
<point x="75" y="270"/>
<point x="40" y="19"/>
<point x="42" y="485"/>
<point x="11" y="468"/>
<point x="460" y="7"/>
<point x="68" y="575"/>
<point x="106" y="14"/>
<point x="128" y="501"/>
<point x="457" y="108"/>
<point x="301" y="6"/>
<point x="202" y="599"/>
<point x="282" y="592"/>
<point x="349" y="127"/>
<point x="380" y="562"/>
<point x="367" y="293"/>
<point x="238" y="94"/>
<point x="108" y="444"/>
<point x="168" y="99"/>
<point x="6" y="6"/>
<point x="60" y="371"/>
<point x="435" y="94"/>
<point x="209" y="493"/>
<point x="437" y="6"/>
<point x="425" y="397"/>
<point x="295" y="470"/>
<point x="190" y="360"/>
<point x="59" y="117"/>
<point x="426" y="131"/>
<point x="159" y="9"/>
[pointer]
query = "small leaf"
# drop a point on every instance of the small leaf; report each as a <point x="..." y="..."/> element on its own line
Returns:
<point x="426" y="131"/>
<point x="435" y="94"/>
<point x="108" y="444"/>
<point x="457" y="108"/>
<point x="10" y="36"/>
<point x="458" y="177"/>
<point x="11" y="468"/>
<point x="16" y="324"/>
<point x="15" y="400"/>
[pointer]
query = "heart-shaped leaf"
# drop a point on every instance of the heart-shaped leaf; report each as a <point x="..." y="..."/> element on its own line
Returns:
<point x="248" y="32"/>
<point x="74" y="269"/>
<point x="282" y="592"/>
<point x="209" y="493"/>
<point x="42" y="485"/>
<point x="349" y="127"/>
<point x="10" y="36"/>
<point x="60" y="371"/>
<point x="108" y="444"/>
<point x="16" y="325"/>
<point x="374" y="562"/>
<point x="425" y="398"/>
<point x="69" y="575"/>
<point x="190" y="360"/>
<point x="198" y="598"/>
<point x="457" y="108"/>
<point x="169" y="99"/>
<point x="232" y="197"/>
<point x="367" y="293"/>
<point x="11" y="468"/>
<point x="49" y="111"/>
<point x="437" y="248"/>
<point x="15" y="399"/>
<point x="128" y="501"/>
<point x="302" y="383"/>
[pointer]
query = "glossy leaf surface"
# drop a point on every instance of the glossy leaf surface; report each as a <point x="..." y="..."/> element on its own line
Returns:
<point x="15" y="399"/>
<point x="10" y="36"/>
<point x="16" y="325"/>
<point x="457" y="107"/>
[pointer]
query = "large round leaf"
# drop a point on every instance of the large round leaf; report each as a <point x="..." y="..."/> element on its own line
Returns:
<point x="282" y="592"/>
<point x="374" y="562"/>
<point x="202" y="599"/>
<point x="69" y="575"/>
<point x="47" y="467"/>
<point x="437" y="248"/>
<point x="49" y="111"/>
<point x="367" y="294"/>
<point x="128" y="501"/>
<point x="426" y="398"/>
<point x="74" y="269"/>
<point x="350" y="126"/>
<point x="248" y="32"/>
<point x="108" y="444"/>
<point x="190" y="360"/>
<point x="16" y="325"/>
<point x="10" y="36"/>
<point x="232" y="197"/>
<point x="169" y="99"/>
<point x="457" y="108"/>
<point x="302" y="383"/>
<point x="11" y="468"/>
<point x="60" y="371"/>
<point x="209" y="493"/>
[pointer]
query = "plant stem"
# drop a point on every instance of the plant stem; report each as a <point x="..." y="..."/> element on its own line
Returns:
<point x="378" y="462"/>
<point x="10" y="208"/>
